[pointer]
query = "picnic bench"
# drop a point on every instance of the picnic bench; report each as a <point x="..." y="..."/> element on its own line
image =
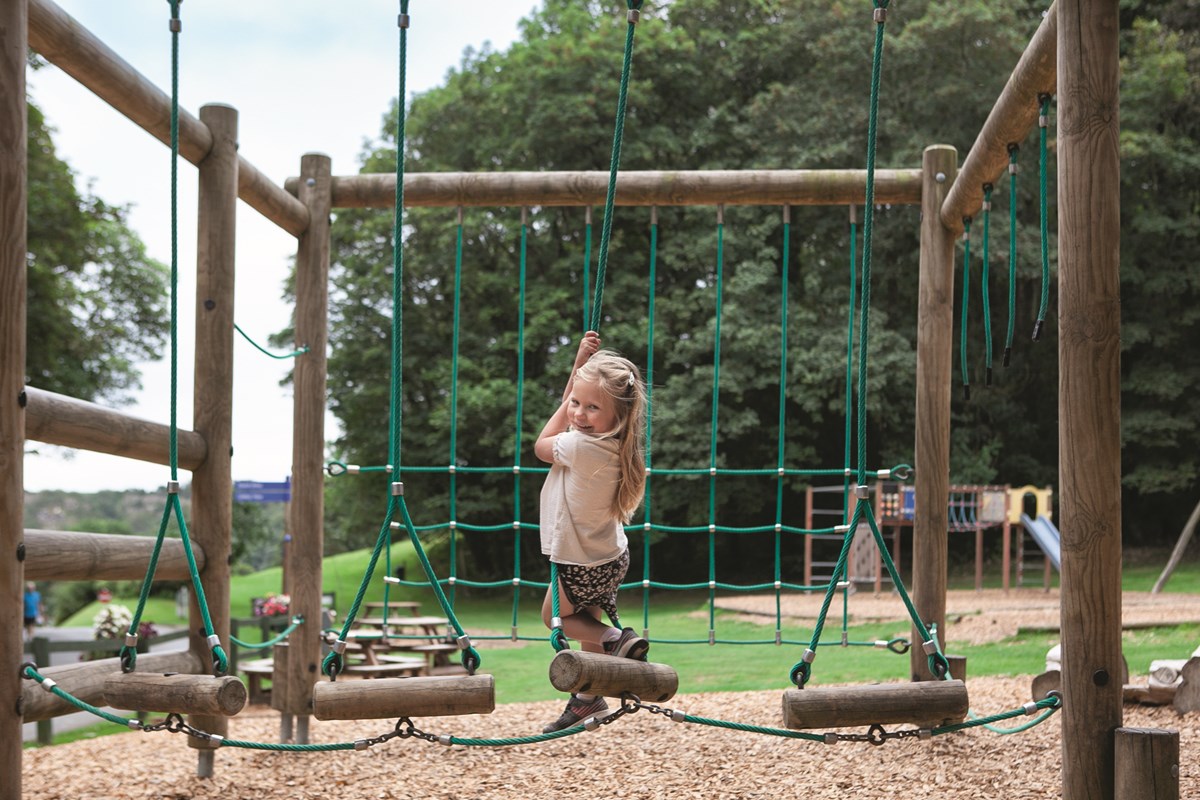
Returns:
<point x="413" y="607"/>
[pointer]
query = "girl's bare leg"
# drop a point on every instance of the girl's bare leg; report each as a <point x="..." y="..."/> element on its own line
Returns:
<point x="584" y="626"/>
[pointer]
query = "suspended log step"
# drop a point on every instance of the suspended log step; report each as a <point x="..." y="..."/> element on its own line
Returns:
<point x="385" y="698"/>
<point x="926" y="704"/>
<point x="593" y="673"/>
<point x="173" y="693"/>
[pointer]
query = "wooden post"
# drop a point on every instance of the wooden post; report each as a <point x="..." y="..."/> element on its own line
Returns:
<point x="212" y="482"/>
<point x="593" y="673"/>
<point x="306" y="549"/>
<point x="926" y="704"/>
<point x="74" y="556"/>
<point x="383" y="698"/>
<point x="183" y="694"/>
<point x="1147" y="764"/>
<point x="935" y="328"/>
<point x="1089" y="392"/>
<point x="12" y="383"/>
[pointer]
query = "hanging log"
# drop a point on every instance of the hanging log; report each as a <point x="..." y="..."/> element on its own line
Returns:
<point x="85" y="681"/>
<point x="593" y="673"/>
<point x="74" y="556"/>
<point x="182" y="694"/>
<point x="384" y="698"/>
<point x="926" y="704"/>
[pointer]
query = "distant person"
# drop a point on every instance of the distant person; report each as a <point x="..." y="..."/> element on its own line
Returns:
<point x="594" y="444"/>
<point x="33" y="609"/>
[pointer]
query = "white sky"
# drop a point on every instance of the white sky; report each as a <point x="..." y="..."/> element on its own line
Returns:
<point x="305" y="76"/>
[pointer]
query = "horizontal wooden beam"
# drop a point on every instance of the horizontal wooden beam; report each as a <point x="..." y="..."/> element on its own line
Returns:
<point x="65" y="421"/>
<point x="67" y="44"/>
<point x="75" y="556"/>
<point x="1015" y="112"/>
<point x="85" y="681"/>
<point x="649" y="188"/>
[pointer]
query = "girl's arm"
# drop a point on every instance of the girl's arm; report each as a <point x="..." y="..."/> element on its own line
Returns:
<point x="543" y="448"/>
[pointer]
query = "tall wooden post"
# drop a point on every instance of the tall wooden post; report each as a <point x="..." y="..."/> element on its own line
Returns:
<point x="212" y="483"/>
<point x="935" y="333"/>
<point x="308" y="441"/>
<point x="1089" y="392"/>
<point x="13" y="167"/>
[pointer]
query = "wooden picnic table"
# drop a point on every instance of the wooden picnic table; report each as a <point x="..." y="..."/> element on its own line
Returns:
<point x="411" y="606"/>
<point x="432" y="627"/>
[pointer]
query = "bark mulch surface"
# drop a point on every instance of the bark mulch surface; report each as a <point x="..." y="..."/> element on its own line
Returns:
<point x="641" y="755"/>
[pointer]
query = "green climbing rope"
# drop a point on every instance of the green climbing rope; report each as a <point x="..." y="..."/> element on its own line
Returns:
<point x="267" y="352"/>
<point x="284" y="634"/>
<point x="128" y="652"/>
<point x="712" y="445"/>
<point x="1043" y="124"/>
<point x="987" y="303"/>
<point x="635" y="7"/>
<point x="963" y="364"/>
<point x="652" y="293"/>
<point x="1013" y="150"/>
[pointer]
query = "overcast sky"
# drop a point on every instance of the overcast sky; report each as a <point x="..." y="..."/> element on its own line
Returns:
<point x="305" y="76"/>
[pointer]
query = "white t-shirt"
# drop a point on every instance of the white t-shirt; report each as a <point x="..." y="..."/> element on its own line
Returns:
<point x="577" y="523"/>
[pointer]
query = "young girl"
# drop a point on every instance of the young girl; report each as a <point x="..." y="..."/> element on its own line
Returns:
<point x="594" y="444"/>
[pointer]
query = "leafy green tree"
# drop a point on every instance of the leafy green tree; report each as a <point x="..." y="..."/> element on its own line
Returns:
<point x="96" y="301"/>
<point x="731" y="84"/>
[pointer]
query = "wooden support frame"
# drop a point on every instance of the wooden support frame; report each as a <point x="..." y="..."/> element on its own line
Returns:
<point x="1015" y="112"/>
<point x="302" y="564"/>
<point x="385" y="698"/>
<point x="60" y="38"/>
<point x="65" y="421"/>
<point x="1089" y="391"/>
<point x="634" y="188"/>
<point x="935" y="326"/>
<point x="13" y="254"/>
<point x="74" y="556"/>
<point x="1146" y="764"/>
<point x="594" y="673"/>
<point x="212" y="481"/>
<point x="180" y="694"/>
<point x="927" y="704"/>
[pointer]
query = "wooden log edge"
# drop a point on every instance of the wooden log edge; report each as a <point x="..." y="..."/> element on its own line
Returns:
<point x="175" y="693"/>
<point x="593" y="673"/>
<point x="384" y="698"/>
<point x="927" y="704"/>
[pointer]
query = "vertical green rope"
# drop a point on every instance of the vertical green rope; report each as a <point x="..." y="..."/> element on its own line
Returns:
<point x="457" y="328"/>
<point x="712" y="446"/>
<point x="1013" y="150"/>
<point x="520" y="419"/>
<point x="1043" y="124"/>
<point x="785" y="265"/>
<point x="963" y="365"/>
<point x="848" y="463"/>
<point x="652" y="292"/>
<point x="397" y="402"/>
<point x="587" y="269"/>
<point x="615" y="163"/>
<point x="987" y="303"/>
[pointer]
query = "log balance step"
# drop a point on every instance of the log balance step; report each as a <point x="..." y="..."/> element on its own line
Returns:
<point x="593" y="673"/>
<point x="383" y="698"/>
<point x="181" y="694"/>
<point x="926" y="704"/>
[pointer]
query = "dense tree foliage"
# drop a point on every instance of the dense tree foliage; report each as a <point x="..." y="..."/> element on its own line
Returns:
<point x="96" y="301"/>
<point x="747" y="84"/>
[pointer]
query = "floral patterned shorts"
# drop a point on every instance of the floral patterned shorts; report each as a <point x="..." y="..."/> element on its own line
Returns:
<point x="594" y="586"/>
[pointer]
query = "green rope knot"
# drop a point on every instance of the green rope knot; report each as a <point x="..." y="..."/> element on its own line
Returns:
<point x="471" y="660"/>
<point x="128" y="656"/>
<point x="558" y="640"/>
<point x="332" y="665"/>
<point x="220" y="662"/>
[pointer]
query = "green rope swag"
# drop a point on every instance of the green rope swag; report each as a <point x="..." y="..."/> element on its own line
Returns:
<point x="1043" y="214"/>
<point x="173" y="508"/>
<point x="987" y="303"/>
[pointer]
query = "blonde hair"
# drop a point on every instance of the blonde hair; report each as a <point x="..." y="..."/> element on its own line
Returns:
<point x="621" y="381"/>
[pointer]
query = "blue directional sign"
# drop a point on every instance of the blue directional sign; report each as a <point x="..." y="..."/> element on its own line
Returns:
<point x="260" y="492"/>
